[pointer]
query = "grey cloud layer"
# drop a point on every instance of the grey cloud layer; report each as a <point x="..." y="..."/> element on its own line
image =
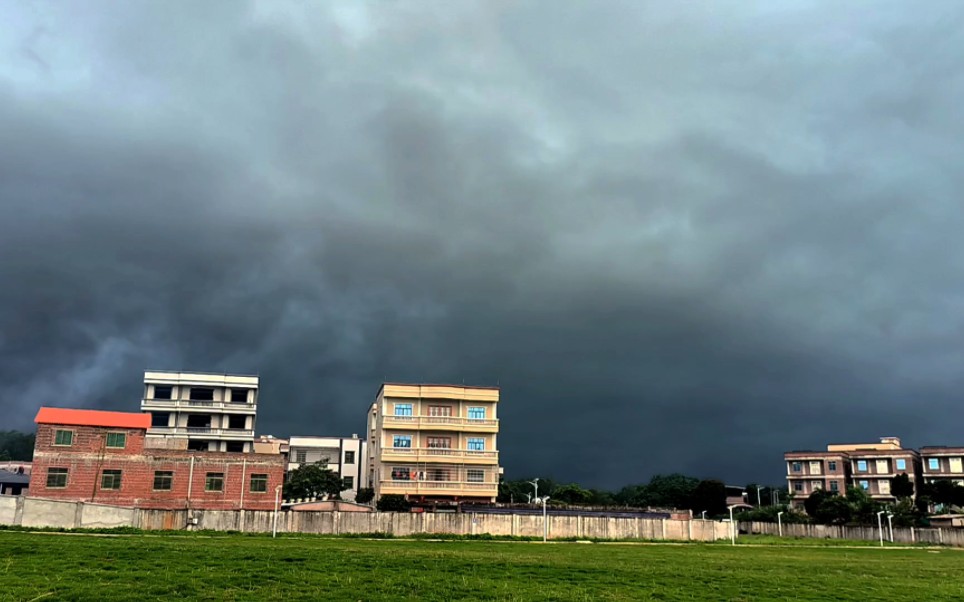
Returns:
<point x="680" y="238"/>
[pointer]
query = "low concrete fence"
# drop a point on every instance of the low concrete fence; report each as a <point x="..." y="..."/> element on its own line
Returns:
<point x="949" y="537"/>
<point x="33" y="512"/>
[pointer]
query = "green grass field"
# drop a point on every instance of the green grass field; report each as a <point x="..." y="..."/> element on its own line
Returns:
<point x="54" y="566"/>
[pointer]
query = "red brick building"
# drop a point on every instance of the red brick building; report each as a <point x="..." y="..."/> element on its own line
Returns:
<point x="105" y="457"/>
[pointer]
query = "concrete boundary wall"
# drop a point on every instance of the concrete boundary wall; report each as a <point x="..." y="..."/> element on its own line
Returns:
<point x="905" y="535"/>
<point x="50" y="513"/>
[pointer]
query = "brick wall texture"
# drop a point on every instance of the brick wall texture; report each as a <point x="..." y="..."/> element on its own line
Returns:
<point x="88" y="456"/>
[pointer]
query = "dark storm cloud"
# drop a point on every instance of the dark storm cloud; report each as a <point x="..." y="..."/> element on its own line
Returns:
<point x="679" y="237"/>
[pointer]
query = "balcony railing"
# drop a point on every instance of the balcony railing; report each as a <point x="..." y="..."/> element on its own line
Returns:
<point x="423" y="421"/>
<point x="434" y="485"/>
<point x="201" y="430"/>
<point x="198" y="404"/>
<point x="439" y="452"/>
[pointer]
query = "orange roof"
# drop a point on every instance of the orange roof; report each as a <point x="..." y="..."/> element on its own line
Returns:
<point x="127" y="420"/>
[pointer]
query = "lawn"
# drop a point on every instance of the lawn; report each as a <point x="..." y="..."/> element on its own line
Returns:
<point x="35" y="566"/>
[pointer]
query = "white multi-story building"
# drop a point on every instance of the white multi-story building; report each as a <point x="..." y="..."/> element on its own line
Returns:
<point x="202" y="411"/>
<point x="343" y="455"/>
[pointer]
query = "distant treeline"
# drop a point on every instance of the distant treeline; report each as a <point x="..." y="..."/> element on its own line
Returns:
<point x="662" y="491"/>
<point x="15" y="445"/>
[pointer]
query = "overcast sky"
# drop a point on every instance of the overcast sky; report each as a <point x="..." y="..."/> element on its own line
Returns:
<point x="680" y="236"/>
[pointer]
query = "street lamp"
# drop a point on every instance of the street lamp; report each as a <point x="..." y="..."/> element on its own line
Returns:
<point x="732" y="527"/>
<point x="535" y="483"/>
<point x="703" y="515"/>
<point x="545" y="521"/>
<point x="880" y="527"/>
<point x="890" y="526"/>
<point x="780" y="523"/>
<point x="277" y="501"/>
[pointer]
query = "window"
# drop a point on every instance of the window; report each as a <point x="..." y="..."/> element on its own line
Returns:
<point x="865" y="485"/>
<point x="797" y="486"/>
<point x="956" y="466"/>
<point x="236" y="421"/>
<point x="883" y="486"/>
<point x="475" y="475"/>
<point x="401" y="473"/>
<point x="198" y="445"/>
<point x="236" y="447"/>
<point x="159" y="419"/>
<point x="163" y="392"/>
<point x="402" y="441"/>
<point x="439" y="410"/>
<point x="476" y="413"/>
<point x="239" y="396"/>
<point x="862" y="465"/>
<point x="815" y="467"/>
<point x="796" y="467"/>
<point x="476" y="444"/>
<point x="214" y="481"/>
<point x="63" y="437"/>
<point x="932" y="463"/>
<point x="163" y="480"/>
<point x="118" y="440"/>
<point x="882" y="467"/>
<point x="440" y="442"/>
<point x="834" y="486"/>
<point x="198" y="421"/>
<point x="56" y="478"/>
<point x="349" y="457"/>
<point x="348" y="483"/>
<point x="259" y="483"/>
<point x="403" y="409"/>
<point x="110" y="479"/>
<point x="301" y="456"/>
<point x="901" y="464"/>
<point x="439" y="474"/>
<point x="202" y="393"/>
<point x="832" y="466"/>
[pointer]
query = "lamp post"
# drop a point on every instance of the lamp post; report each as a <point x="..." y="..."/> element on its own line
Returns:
<point x="703" y="515"/>
<point x="545" y="520"/>
<point x="890" y="526"/>
<point x="880" y="527"/>
<point x="535" y="483"/>
<point x="277" y="501"/>
<point x="780" y="523"/>
<point x="732" y="528"/>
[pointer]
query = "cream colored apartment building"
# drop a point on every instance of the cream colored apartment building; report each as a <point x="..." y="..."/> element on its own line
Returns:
<point x="434" y="443"/>
<point x="202" y="411"/>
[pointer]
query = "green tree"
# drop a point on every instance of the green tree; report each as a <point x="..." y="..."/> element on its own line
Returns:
<point x="365" y="495"/>
<point x="313" y="480"/>
<point x="901" y="486"/>
<point x="15" y="445"/>
<point x="519" y="491"/>
<point x="864" y="508"/>
<point x="571" y="494"/>
<point x="834" y="510"/>
<point x="813" y="502"/>
<point x="393" y="502"/>
<point x="670" y="491"/>
<point x="709" y="495"/>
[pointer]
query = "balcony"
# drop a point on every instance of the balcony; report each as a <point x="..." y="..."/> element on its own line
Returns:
<point x="461" y="488"/>
<point x="440" y="423"/>
<point x="197" y="405"/>
<point x="202" y="432"/>
<point x="439" y="454"/>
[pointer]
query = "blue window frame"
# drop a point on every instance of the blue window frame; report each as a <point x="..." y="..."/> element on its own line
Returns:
<point x="402" y="441"/>
<point x="476" y="413"/>
<point x="865" y="485"/>
<point x="862" y="465"/>
<point x="796" y="467"/>
<point x="933" y="464"/>
<point x="476" y="444"/>
<point x="832" y="466"/>
<point x="403" y="409"/>
<point x="901" y="464"/>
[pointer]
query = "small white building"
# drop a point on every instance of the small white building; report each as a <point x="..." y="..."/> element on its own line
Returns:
<point x="344" y="455"/>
